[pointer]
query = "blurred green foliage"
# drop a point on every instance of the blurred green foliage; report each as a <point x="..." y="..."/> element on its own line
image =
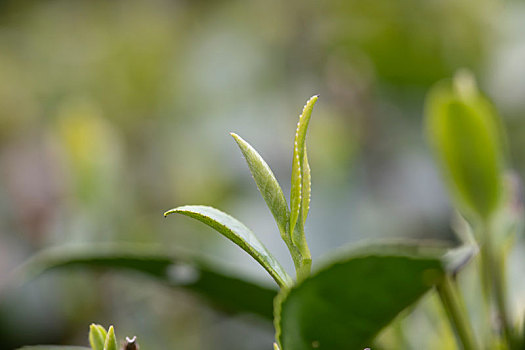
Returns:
<point x="111" y="112"/>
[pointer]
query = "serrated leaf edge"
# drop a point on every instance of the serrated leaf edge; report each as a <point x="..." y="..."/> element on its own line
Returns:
<point x="296" y="194"/>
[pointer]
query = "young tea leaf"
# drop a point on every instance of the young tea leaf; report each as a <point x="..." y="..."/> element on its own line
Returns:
<point x="298" y="171"/>
<point x="465" y="134"/>
<point x="267" y="184"/>
<point x="306" y="188"/>
<point x="345" y="304"/>
<point x="97" y="337"/>
<point x="239" y="234"/>
<point x="111" y="340"/>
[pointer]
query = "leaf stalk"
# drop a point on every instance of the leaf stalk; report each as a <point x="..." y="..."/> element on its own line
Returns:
<point x="452" y="303"/>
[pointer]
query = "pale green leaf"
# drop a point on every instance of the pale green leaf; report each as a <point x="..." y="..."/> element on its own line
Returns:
<point x="267" y="184"/>
<point x="239" y="234"/>
<point x="97" y="337"/>
<point x="111" y="340"/>
<point x="465" y="134"/>
<point x="306" y="188"/>
<point x="296" y="193"/>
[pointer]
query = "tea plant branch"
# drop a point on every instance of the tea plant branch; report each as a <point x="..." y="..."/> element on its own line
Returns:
<point x="459" y="121"/>
<point x="456" y="313"/>
<point x="289" y="221"/>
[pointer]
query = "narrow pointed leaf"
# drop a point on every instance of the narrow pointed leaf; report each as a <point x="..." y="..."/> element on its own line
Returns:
<point x="111" y="340"/>
<point x="296" y="192"/>
<point x="306" y="188"/>
<point x="355" y="296"/>
<point x="239" y="234"/>
<point x="464" y="131"/>
<point x="97" y="337"/>
<point x="179" y="270"/>
<point x="266" y="183"/>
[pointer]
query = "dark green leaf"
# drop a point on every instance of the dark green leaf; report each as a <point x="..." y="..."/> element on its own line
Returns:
<point x="267" y="184"/>
<point x="345" y="304"/>
<point x="239" y="234"/>
<point x="53" y="347"/>
<point x="180" y="270"/>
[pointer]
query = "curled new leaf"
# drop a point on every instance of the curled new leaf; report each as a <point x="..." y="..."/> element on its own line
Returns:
<point x="464" y="131"/>
<point x="239" y="234"/>
<point x="267" y="184"/>
<point x="298" y="168"/>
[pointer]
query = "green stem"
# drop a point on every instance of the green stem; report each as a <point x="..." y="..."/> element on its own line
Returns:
<point x="486" y="289"/>
<point x="456" y="314"/>
<point x="305" y="269"/>
<point x="494" y="281"/>
<point x="300" y="253"/>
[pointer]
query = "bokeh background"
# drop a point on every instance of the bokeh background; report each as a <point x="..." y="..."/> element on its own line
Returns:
<point x="113" y="112"/>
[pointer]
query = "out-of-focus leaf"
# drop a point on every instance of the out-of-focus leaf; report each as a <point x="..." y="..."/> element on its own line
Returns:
<point x="224" y="291"/>
<point x="53" y="347"/>
<point x="465" y="133"/>
<point x="345" y="304"/>
<point x="111" y="340"/>
<point x="267" y="184"/>
<point x="97" y="337"/>
<point x="509" y="219"/>
<point x="239" y="234"/>
<point x="296" y="192"/>
<point x="455" y="259"/>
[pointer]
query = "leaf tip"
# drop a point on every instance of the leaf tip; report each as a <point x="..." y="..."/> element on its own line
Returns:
<point x="237" y="138"/>
<point x="171" y="211"/>
<point x="111" y="341"/>
<point x="312" y="100"/>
